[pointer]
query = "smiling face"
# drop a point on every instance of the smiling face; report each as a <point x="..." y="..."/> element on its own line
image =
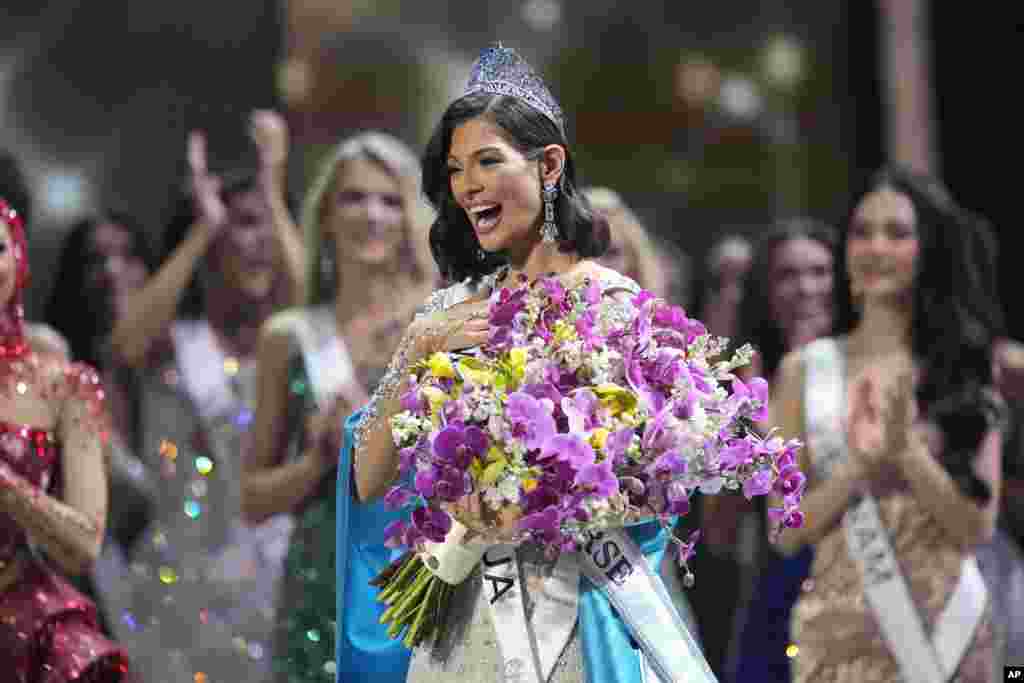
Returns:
<point x="246" y="252"/>
<point x="496" y="185"/>
<point x="800" y="297"/>
<point x="882" y="246"/>
<point x="365" y="213"/>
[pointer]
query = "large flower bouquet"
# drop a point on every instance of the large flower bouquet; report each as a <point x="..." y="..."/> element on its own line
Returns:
<point x="577" y="415"/>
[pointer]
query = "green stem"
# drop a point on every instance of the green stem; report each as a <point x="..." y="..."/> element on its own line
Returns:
<point x="397" y="585"/>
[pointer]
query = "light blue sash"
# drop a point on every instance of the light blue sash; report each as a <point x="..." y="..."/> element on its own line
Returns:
<point x="610" y="653"/>
<point x="363" y="647"/>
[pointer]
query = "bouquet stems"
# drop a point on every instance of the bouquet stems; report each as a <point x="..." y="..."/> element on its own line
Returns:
<point x="418" y="587"/>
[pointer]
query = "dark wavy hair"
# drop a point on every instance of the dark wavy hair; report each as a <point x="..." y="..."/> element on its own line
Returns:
<point x="956" y="316"/>
<point x="453" y="242"/>
<point x="85" y="322"/>
<point x="756" y="324"/>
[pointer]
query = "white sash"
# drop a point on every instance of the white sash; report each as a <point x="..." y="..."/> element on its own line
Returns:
<point x="329" y="368"/>
<point x="502" y="588"/>
<point x="200" y="361"/>
<point x="617" y="566"/>
<point x="921" y="660"/>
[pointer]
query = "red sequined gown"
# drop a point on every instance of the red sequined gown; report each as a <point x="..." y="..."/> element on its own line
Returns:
<point x="48" y="630"/>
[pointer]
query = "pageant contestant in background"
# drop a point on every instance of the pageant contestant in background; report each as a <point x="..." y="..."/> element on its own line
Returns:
<point x="901" y="496"/>
<point x="317" y="364"/>
<point x="202" y="583"/>
<point x="787" y="303"/>
<point x="53" y="490"/>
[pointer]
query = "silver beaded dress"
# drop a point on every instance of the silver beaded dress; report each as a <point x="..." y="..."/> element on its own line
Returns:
<point x="198" y="600"/>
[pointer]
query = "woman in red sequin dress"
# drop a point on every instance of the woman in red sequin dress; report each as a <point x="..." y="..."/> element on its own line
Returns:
<point x="52" y="498"/>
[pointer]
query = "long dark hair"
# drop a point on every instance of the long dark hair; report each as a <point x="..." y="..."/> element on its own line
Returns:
<point x="84" y="322"/>
<point x="453" y="242"/>
<point x="956" y="316"/>
<point x="756" y="324"/>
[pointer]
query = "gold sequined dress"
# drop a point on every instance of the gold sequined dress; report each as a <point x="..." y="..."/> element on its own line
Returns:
<point x="837" y="634"/>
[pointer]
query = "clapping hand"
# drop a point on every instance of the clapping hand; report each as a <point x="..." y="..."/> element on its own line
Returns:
<point x="880" y="420"/>
<point x="270" y="134"/>
<point x="204" y="185"/>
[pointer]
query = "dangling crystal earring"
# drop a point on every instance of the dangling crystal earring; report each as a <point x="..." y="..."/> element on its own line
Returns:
<point x="549" y="231"/>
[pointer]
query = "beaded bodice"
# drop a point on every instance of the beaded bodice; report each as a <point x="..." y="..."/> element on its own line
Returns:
<point x="32" y="454"/>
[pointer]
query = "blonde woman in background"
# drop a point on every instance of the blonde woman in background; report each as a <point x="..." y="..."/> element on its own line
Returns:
<point x="631" y="250"/>
<point x="366" y="276"/>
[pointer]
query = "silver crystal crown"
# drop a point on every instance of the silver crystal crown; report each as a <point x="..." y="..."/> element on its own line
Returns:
<point x="501" y="71"/>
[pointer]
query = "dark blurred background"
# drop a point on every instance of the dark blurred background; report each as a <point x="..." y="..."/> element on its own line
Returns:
<point x="708" y="118"/>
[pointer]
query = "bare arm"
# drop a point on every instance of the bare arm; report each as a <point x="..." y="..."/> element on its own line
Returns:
<point x="270" y="486"/>
<point x="151" y="309"/>
<point x="70" y="531"/>
<point x="270" y="133"/>
<point x="825" y="501"/>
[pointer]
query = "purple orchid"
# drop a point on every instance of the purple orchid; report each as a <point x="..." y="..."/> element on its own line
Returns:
<point x="413" y="401"/>
<point x="433" y="523"/>
<point x="752" y="393"/>
<point x="658" y="436"/>
<point x="759" y="484"/>
<point x="568" y="448"/>
<point x="555" y="290"/>
<point x="685" y="551"/>
<point x="677" y="499"/>
<point x="736" y="454"/>
<point x="670" y="464"/>
<point x="617" y="444"/>
<point x="451" y="483"/>
<point x="531" y="423"/>
<point x="397" y="497"/>
<point x="598" y="478"/>
<point x="458" y="444"/>
<point x="581" y="410"/>
<point x="544" y="525"/>
<point x="791" y="481"/>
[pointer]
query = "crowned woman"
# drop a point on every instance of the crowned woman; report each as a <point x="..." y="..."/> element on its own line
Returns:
<point x="499" y="172"/>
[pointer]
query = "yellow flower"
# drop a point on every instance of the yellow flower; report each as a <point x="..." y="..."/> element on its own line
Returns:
<point x="513" y="369"/>
<point x="529" y="485"/>
<point x="615" y="398"/>
<point x="441" y="366"/>
<point x="436" y="398"/>
<point x="476" y="469"/>
<point x="494" y="453"/>
<point x="493" y="471"/>
<point x="477" y="372"/>
<point x="564" y="332"/>
<point x="598" y="438"/>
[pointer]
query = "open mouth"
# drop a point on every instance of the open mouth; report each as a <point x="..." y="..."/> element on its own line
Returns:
<point x="485" y="217"/>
